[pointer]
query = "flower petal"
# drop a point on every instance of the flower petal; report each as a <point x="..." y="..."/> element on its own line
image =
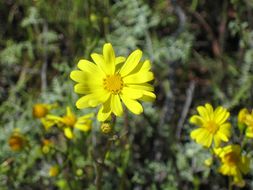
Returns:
<point x="100" y="61"/>
<point x="132" y="105"/>
<point x="119" y="60"/>
<point x="132" y="93"/>
<point x="140" y="77"/>
<point x="148" y="96"/>
<point x="68" y="133"/>
<point x="105" y="111"/>
<point x="88" y="66"/>
<point x="131" y="62"/>
<point x="203" y="113"/>
<point x="197" y="120"/>
<point x="109" y="58"/>
<point x="116" y="105"/>
<point x="92" y="100"/>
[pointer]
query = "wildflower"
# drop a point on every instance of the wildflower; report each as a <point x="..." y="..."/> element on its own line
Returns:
<point x="16" y="141"/>
<point x="49" y="121"/>
<point x="212" y="125"/>
<point x="108" y="82"/>
<point x="46" y="145"/>
<point x="233" y="163"/>
<point x="208" y="162"/>
<point x="41" y="110"/>
<point x="242" y="118"/>
<point x="242" y="115"/>
<point x="249" y="124"/>
<point x="70" y="121"/>
<point x="53" y="171"/>
<point x="106" y="128"/>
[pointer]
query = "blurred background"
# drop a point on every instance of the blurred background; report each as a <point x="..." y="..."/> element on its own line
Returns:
<point x="201" y="51"/>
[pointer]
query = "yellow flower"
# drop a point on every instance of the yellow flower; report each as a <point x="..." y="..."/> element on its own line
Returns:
<point x="53" y="171"/>
<point x="242" y="115"/>
<point x="106" y="128"/>
<point x="41" y="110"/>
<point x="249" y="125"/>
<point x="241" y="119"/>
<point x="233" y="163"/>
<point x="16" y="141"/>
<point x="70" y="121"/>
<point x="110" y="81"/>
<point x="212" y="125"/>
<point x="46" y="145"/>
<point x="208" y="162"/>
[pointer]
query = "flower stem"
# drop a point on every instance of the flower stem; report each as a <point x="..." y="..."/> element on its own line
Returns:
<point x="99" y="163"/>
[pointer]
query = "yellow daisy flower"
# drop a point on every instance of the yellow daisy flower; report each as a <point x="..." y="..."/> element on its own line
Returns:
<point x="233" y="163"/>
<point x="212" y="125"/>
<point x="70" y="121"/>
<point x="16" y="141"/>
<point x="249" y="124"/>
<point x="109" y="81"/>
<point x="41" y="110"/>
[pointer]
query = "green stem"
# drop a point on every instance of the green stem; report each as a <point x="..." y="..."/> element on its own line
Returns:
<point x="230" y="183"/>
<point x="100" y="162"/>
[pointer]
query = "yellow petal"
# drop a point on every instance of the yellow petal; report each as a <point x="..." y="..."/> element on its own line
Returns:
<point x="197" y="120"/>
<point x="225" y="129"/>
<point x="217" y="140"/>
<point x="89" y="67"/>
<point x="131" y="62"/>
<point x="203" y="112"/>
<point x="221" y="115"/>
<point x="104" y="112"/>
<point x="132" y="93"/>
<point x="82" y="88"/>
<point x="119" y="60"/>
<point x="209" y="109"/>
<point x="222" y="136"/>
<point x="83" y="127"/>
<point x="204" y="138"/>
<point x="132" y="105"/>
<point x="116" y="105"/>
<point x="68" y="133"/>
<point x="100" y="61"/>
<point x="78" y="76"/>
<point x="148" y="96"/>
<point x="140" y="77"/>
<point x="144" y="86"/>
<point x="109" y="58"/>
<point x="69" y="112"/>
<point x="196" y="132"/>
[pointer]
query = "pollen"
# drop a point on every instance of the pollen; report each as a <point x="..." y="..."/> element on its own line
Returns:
<point x="212" y="127"/>
<point x="39" y="110"/>
<point x="69" y="120"/>
<point x="113" y="83"/>
<point x="231" y="158"/>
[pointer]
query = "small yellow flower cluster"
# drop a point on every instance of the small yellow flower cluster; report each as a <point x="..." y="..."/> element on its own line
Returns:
<point x="213" y="129"/>
<point x="68" y="122"/>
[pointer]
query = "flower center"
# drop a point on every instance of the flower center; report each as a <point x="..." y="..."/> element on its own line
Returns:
<point x="69" y="120"/>
<point x="113" y="83"/>
<point x="39" y="111"/>
<point x="212" y="127"/>
<point x="231" y="158"/>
